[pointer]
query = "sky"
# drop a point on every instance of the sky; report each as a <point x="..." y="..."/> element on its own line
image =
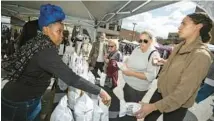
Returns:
<point x="160" y="21"/>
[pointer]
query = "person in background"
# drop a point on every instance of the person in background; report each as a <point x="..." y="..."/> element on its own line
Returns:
<point x="183" y="72"/>
<point x="4" y="49"/>
<point x="86" y="47"/>
<point x="31" y="68"/>
<point x="8" y="34"/>
<point x="98" y="51"/>
<point x="111" y="60"/>
<point x="111" y="70"/>
<point x="140" y="71"/>
<point x="11" y="46"/>
<point x="16" y="34"/>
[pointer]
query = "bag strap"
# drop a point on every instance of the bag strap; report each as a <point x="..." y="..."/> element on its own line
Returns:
<point x="151" y="54"/>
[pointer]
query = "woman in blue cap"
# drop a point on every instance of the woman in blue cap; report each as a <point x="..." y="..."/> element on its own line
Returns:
<point x="31" y="68"/>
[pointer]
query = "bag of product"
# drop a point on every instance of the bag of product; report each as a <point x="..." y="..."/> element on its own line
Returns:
<point x="83" y="110"/>
<point x="73" y="95"/>
<point x="62" y="112"/>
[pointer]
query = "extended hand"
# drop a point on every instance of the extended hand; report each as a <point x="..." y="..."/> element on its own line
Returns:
<point x="106" y="98"/>
<point x="145" y="110"/>
<point x="161" y="61"/>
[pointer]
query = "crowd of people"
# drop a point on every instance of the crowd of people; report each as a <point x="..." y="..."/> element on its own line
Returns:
<point x="180" y="71"/>
<point x="8" y="42"/>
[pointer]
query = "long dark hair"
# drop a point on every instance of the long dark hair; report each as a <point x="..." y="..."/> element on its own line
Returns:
<point x="203" y="18"/>
<point x="28" y="32"/>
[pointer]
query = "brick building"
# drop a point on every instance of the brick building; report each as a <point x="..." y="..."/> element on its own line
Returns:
<point x="128" y="34"/>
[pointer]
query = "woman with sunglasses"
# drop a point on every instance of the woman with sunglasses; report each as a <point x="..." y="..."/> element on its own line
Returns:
<point x="140" y="71"/>
<point x="113" y="56"/>
<point x="111" y="70"/>
<point x="182" y="74"/>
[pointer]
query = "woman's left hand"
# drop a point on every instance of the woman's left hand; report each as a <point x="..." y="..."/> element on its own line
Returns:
<point x="145" y="110"/>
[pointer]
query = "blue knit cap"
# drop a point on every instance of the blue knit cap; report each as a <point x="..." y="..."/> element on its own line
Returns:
<point x="50" y="14"/>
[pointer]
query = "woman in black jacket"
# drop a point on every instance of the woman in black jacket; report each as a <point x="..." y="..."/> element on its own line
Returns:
<point x="31" y="68"/>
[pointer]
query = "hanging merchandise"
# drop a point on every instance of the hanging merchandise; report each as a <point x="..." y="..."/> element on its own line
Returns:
<point x="85" y="108"/>
<point x="86" y="47"/>
<point x="70" y="48"/>
<point x="61" y="48"/>
<point x="65" y="58"/>
<point x="91" y="77"/>
<point x="62" y="112"/>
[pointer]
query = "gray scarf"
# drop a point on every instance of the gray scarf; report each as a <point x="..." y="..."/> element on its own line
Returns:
<point x="16" y="63"/>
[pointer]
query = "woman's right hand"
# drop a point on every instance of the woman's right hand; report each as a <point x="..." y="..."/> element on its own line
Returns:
<point x="106" y="98"/>
<point x="106" y="58"/>
<point x="159" y="61"/>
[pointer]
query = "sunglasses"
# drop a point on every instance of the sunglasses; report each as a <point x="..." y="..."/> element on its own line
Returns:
<point x="110" y="46"/>
<point x="144" y="41"/>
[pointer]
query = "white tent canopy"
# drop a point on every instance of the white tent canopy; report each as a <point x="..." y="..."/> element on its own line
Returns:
<point x="207" y="6"/>
<point x="90" y="14"/>
<point x="86" y="12"/>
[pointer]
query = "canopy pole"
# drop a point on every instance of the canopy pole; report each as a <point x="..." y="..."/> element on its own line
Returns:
<point x="113" y="14"/>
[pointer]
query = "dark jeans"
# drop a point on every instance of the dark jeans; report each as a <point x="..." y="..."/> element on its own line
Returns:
<point x="177" y="115"/>
<point x="20" y="111"/>
<point x="98" y="65"/>
<point x="131" y="95"/>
